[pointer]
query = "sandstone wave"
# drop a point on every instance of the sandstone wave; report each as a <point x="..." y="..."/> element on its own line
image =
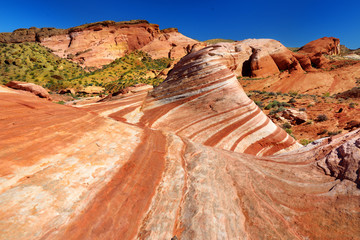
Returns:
<point x="177" y="161"/>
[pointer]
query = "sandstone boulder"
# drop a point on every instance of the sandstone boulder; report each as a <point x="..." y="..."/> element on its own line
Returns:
<point x="29" y="87"/>
<point x="92" y="90"/>
<point x="67" y="90"/>
<point x="318" y="60"/>
<point x="294" y="116"/>
<point x="351" y="125"/>
<point x="352" y="93"/>
<point x="141" y="87"/>
<point x="325" y="45"/>
<point x="304" y="61"/>
<point x="262" y="58"/>
<point x="262" y="64"/>
<point x="344" y="161"/>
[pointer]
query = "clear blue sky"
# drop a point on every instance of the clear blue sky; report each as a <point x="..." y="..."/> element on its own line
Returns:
<point x="292" y="22"/>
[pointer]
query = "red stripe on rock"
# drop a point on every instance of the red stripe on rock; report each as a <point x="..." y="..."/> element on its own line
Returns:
<point x="118" y="209"/>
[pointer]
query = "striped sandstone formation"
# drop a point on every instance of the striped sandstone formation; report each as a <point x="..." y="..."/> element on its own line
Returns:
<point x="202" y="100"/>
<point x="69" y="173"/>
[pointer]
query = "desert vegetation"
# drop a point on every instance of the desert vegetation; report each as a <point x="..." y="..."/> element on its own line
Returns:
<point x="31" y="62"/>
<point x="136" y="67"/>
<point x="327" y="115"/>
<point x="218" y="40"/>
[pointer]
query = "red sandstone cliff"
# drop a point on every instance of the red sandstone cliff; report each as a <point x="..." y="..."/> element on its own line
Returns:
<point x="97" y="44"/>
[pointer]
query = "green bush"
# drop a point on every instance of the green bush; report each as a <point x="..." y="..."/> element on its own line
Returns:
<point x="260" y="104"/>
<point x="286" y="125"/>
<point x="321" y="118"/>
<point x="293" y="93"/>
<point x="305" y="142"/>
<point x="352" y="105"/>
<point x="334" y="133"/>
<point x="292" y="100"/>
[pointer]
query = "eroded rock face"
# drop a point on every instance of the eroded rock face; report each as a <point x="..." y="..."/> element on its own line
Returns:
<point x="97" y="44"/>
<point x="325" y="45"/>
<point x="74" y="174"/>
<point x="262" y="64"/>
<point x="262" y="58"/>
<point x="344" y="161"/>
<point x="29" y="87"/>
<point x="32" y="34"/>
<point x="294" y="116"/>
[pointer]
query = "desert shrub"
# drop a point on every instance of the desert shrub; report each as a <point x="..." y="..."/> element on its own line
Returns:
<point x="260" y="104"/>
<point x="273" y="112"/>
<point x="321" y="118"/>
<point x="334" y="133"/>
<point x="352" y="105"/>
<point x="323" y="131"/>
<point x="292" y="100"/>
<point x="293" y="93"/>
<point x="276" y="104"/>
<point x="289" y="131"/>
<point x="305" y="142"/>
<point x="302" y="109"/>
<point x="272" y="104"/>
<point x="286" y="125"/>
<point x="281" y="108"/>
<point x="277" y="110"/>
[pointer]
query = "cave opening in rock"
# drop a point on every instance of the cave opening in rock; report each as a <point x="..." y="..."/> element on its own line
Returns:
<point x="246" y="69"/>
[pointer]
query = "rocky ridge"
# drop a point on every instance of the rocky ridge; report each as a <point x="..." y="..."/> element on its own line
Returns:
<point x="29" y="87"/>
<point x="97" y="44"/>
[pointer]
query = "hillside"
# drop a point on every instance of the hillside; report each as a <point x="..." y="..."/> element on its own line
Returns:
<point x="136" y="67"/>
<point x="96" y="44"/>
<point x="31" y="62"/>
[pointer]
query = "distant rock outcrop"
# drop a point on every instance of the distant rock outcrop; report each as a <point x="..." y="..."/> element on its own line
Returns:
<point x="262" y="58"/>
<point x="29" y="87"/>
<point x="97" y="44"/>
<point x="325" y="45"/>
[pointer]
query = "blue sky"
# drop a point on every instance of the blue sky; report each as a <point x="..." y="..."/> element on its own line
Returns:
<point x="294" y="23"/>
